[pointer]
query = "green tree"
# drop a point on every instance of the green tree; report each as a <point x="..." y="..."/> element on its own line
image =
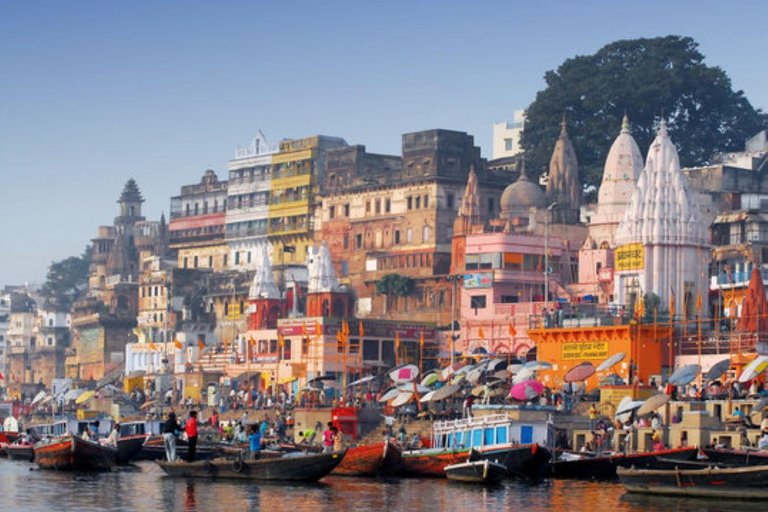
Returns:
<point x="67" y="280"/>
<point x="393" y="285"/>
<point x="646" y="79"/>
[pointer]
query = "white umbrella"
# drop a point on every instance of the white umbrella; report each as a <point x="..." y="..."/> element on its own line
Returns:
<point x="402" y="399"/>
<point x="522" y="376"/>
<point x="409" y="387"/>
<point x="405" y="373"/>
<point x="684" y="375"/>
<point x="611" y="361"/>
<point x="427" y="397"/>
<point x="389" y="395"/>
<point x="445" y="392"/>
<point x="538" y="365"/>
<point x="753" y="369"/>
<point x="38" y="397"/>
<point x="362" y="381"/>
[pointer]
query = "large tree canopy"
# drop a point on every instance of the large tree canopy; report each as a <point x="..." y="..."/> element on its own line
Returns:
<point x="644" y="78"/>
<point x="67" y="280"/>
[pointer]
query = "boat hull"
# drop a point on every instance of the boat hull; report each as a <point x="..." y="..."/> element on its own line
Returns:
<point x="736" y="457"/>
<point x="17" y="452"/>
<point x="303" y="468"/>
<point x="128" y="448"/>
<point x="154" y="450"/>
<point x="70" y="453"/>
<point x="478" y="472"/>
<point x="380" y="459"/>
<point x="741" y="483"/>
<point x="528" y="461"/>
<point x="430" y="462"/>
<point x="604" y="468"/>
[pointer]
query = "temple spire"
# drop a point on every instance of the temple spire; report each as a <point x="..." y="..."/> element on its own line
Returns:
<point x="263" y="285"/>
<point x="564" y="186"/>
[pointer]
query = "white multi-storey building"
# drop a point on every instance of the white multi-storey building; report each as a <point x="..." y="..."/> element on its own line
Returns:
<point x="506" y="136"/>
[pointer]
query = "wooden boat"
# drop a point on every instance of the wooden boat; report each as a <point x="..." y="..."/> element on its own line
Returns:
<point x="592" y="467"/>
<point x="372" y="460"/>
<point x="21" y="449"/>
<point x="129" y="447"/>
<point x="736" y="457"/>
<point x="740" y="483"/>
<point x="73" y="453"/>
<point x="154" y="449"/>
<point x="298" y="467"/>
<point x="518" y="445"/>
<point x="479" y="472"/>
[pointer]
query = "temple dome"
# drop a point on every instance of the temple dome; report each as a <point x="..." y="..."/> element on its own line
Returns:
<point x="622" y="168"/>
<point x="522" y="195"/>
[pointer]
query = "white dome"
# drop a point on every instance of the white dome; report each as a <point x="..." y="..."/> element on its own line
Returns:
<point x="622" y="168"/>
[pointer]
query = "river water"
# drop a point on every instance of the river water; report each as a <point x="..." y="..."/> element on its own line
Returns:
<point x="145" y="488"/>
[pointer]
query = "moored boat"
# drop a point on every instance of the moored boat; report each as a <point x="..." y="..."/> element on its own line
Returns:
<point x="298" y="467"/>
<point x="154" y="450"/>
<point x="517" y="444"/>
<point x="74" y="453"/>
<point x="739" y="483"/>
<point x="372" y="460"/>
<point x="129" y="447"/>
<point x="603" y="467"/>
<point x="21" y="449"/>
<point x="480" y="472"/>
<point x="736" y="457"/>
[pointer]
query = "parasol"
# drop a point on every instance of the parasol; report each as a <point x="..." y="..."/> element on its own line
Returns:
<point x="404" y="374"/>
<point x="496" y="364"/>
<point x="362" y="381"/>
<point x="718" y="369"/>
<point x="72" y="394"/>
<point x="85" y="397"/>
<point x="538" y="365"/>
<point x="450" y="370"/>
<point x="611" y="361"/>
<point x="580" y="372"/>
<point x="408" y="387"/>
<point x="38" y="397"/>
<point x="430" y="379"/>
<point x="445" y="392"/>
<point x="427" y="397"/>
<point x="515" y="368"/>
<point x="390" y="394"/>
<point x="476" y="373"/>
<point x="527" y="390"/>
<point x="627" y="405"/>
<point x="686" y="373"/>
<point x="402" y="399"/>
<point x="753" y="369"/>
<point x="522" y="376"/>
<point x="652" y="404"/>
<point x="147" y="405"/>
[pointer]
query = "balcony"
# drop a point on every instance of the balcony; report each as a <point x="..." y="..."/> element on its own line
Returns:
<point x="248" y="232"/>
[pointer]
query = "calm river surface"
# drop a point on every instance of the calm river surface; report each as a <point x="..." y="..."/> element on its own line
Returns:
<point x="143" y="487"/>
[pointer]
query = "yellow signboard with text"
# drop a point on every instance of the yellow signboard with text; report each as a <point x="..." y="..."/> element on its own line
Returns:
<point x="581" y="351"/>
<point x="630" y="257"/>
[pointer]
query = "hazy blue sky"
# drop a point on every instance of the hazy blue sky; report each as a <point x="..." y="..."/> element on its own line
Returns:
<point x="93" y="93"/>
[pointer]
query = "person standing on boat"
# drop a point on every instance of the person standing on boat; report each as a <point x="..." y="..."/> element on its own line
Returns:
<point x="190" y="427"/>
<point x="170" y="428"/>
<point x="254" y="440"/>
<point x="328" y="438"/>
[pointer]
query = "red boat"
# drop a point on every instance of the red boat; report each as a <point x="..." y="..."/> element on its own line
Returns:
<point x="372" y="460"/>
<point x="21" y="449"/>
<point x="431" y="462"/>
<point x="74" y="453"/>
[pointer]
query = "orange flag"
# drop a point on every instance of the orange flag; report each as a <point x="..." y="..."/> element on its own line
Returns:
<point x="152" y="346"/>
<point x="698" y="302"/>
<point x="397" y="342"/>
<point x="318" y="328"/>
<point x="344" y="327"/>
<point x="362" y="331"/>
<point x="304" y="329"/>
<point x="178" y="344"/>
<point x="421" y="339"/>
<point x="280" y="340"/>
<point x="201" y="345"/>
<point x="512" y="331"/>
<point x="252" y="341"/>
<point x="481" y="333"/>
<point x="671" y="303"/>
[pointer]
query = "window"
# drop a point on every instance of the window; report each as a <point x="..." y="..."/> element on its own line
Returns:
<point x="387" y="206"/>
<point x="371" y="350"/>
<point x="477" y="302"/>
<point x="237" y="258"/>
<point x="377" y="207"/>
<point x="509" y="299"/>
<point x="426" y="201"/>
<point x="491" y="207"/>
<point x="359" y="241"/>
<point x="418" y="202"/>
<point x="210" y="261"/>
<point x="397" y="237"/>
<point x="185" y="262"/>
<point x="346" y="241"/>
<point x="332" y="212"/>
<point x="226" y="308"/>
<point x="225" y="260"/>
<point x="367" y="207"/>
<point x="346" y="210"/>
<point x="195" y="261"/>
<point x="345" y="268"/>
<point x="449" y="201"/>
<point x="409" y="236"/>
<point x="472" y="262"/>
<point x="501" y="435"/>
<point x="425" y="234"/>
<point x="409" y="200"/>
<point x="507" y="144"/>
<point x="242" y="307"/>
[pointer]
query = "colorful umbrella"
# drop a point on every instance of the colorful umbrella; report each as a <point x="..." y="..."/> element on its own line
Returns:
<point x="450" y="370"/>
<point x="753" y="369"/>
<point x="85" y="397"/>
<point x="653" y="403"/>
<point x="404" y="374"/>
<point x="538" y="365"/>
<point x="409" y="387"/>
<point x="527" y="390"/>
<point x="580" y="372"/>
<point x="611" y="361"/>
<point x="445" y="392"/>
<point x="430" y="379"/>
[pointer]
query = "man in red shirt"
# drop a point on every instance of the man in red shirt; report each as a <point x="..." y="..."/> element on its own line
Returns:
<point x="190" y="427"/>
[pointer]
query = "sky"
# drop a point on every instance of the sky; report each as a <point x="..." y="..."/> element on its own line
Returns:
<point x="93" y="93"/>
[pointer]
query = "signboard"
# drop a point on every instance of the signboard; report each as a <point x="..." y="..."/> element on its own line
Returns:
<point x="478" y="280"/>
<point x="605" y="275"/>
<point x="630" y="257"/>
<point x="584" y="350"/>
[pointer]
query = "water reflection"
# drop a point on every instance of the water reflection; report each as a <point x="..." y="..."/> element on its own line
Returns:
<point x="145" y="488"/>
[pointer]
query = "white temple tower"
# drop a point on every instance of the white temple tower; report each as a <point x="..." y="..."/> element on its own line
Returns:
<point x="622" y="168"/>
<point x="661" y="241"/>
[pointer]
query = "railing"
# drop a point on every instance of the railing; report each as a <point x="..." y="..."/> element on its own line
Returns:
<point x="240" y="233"/>
<point x="738" y="278"/>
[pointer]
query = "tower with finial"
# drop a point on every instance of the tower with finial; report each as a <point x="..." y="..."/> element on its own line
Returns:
<point x="263" y="297"/>
<point x="325" y="297"/>
<point x="564" y="186"/>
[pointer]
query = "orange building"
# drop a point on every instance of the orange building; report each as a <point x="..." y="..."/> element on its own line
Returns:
<point x="564" y="348"/>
